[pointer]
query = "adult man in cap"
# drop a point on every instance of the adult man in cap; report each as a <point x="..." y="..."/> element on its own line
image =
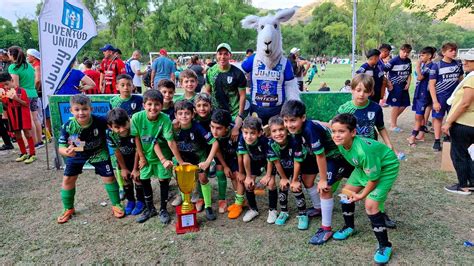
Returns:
<point x="162" y="68"/>
<point x="227" y="84"/>
<point x="110" y="68"/>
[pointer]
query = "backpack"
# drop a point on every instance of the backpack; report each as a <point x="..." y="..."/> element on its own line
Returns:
<point x="128" y="68"/>
<point x="147" y="78"/>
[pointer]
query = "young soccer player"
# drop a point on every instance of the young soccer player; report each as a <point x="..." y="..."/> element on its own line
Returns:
<point x="377" y="169"/>
<point x="253" y="147"/>
<point x="119" y="139"/>
<point x="445" y="76"/>
<point x="422" y="98"/>
<point x="155" y="146"/>
<point x="192" y="140"/>
<point x="83" y="139"/>
<point x="227" y="165"/>
<point x="19" y="120"/>
<point x="372" y="68"/>
<point x="399" y="72"/>
<point x="167" y="89"/>
<point x="126" y="100"/>
<point x="188" y="81"/>
<point x="369" y="116"/>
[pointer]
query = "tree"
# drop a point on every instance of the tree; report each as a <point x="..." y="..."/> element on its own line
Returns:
<point x="9" y="34"/>
<point x="456" y="6"/>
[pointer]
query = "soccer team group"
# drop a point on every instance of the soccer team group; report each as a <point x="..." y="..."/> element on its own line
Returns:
<point x="151" y="134"/>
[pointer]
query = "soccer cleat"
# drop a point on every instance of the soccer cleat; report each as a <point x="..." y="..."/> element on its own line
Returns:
<point x="321" y="237"/>
<point x="272" y="216"/>
<point x="382" y="255"/>
<point x="147" y="214"/>
<point x="222" y="206"/>
<point x="437" y="146"/>
<point x="234" y="211"/>
<point x="303" y="222"/>
<point x="22" y="157"/>
<point x="118" y="211"/>
<point x="164" y="216"/>
<point x="313" y="212"/>
<point x="457" y="189"/>
<point x="200" y="205"/>
<point x="30" y="159"/>
<point x="389" y="223"/>
<point x="210" y="216"/>
<point x="249" y="215"/>
<point x="139" y="206"/>
<point x="129" y="207"/>
<point x="343" y="234"/>
<point x="177" y="200"/>
<point x="66" y="216"/>
<point x="282" y="217"/>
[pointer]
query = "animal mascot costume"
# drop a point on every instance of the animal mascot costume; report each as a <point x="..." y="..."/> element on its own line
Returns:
<point x="272" y="78"/>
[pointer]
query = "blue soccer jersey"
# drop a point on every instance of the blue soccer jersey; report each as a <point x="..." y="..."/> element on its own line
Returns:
<point x="193" y="142"/>
<point x="369" y="117"/>
<point x="132" y="105"/>
<point x="314" y="138"/>
<point x="377" y="73"/>
<point x="398" y="70"/>
<point x="446" y="76"/>
<point x="421" y="90"/>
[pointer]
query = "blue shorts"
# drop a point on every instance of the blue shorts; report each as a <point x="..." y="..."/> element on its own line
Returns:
<point x="338" y="168"/>
<point x="265" y="113"/>
<point x="398" y="97"/>
<point x="309" y="166"/>
<point x="257" y="167"/>
<point x="74" y="167"/>
<point x="231" y="162"/>
<point x="444" y="108"/>
<point x="419" y="105"/>
<point x="47" y="113"/>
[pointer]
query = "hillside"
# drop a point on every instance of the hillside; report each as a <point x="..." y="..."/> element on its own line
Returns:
<point x="462" y="18"/>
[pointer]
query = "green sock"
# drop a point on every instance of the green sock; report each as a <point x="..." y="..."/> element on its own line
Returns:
<point x="113" y="191"/>
<point x="221" y="184"/>
<point x="206" y="193"/>
<point x="119" y="179"/>
<point x="67" y="196"/>
<point x="239" y="199"/>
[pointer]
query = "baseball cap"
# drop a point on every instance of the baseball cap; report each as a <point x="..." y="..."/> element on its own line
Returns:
<point x="469" y="55"/>
<point x="107" y="47"/>
<point x="3" y="51"/>
<point x="372" y="52"/>
<point x="224" y="45"/>
<point x="33" y="52"/>
<point x="163" y="52"/>
<point x="294" y="50"/>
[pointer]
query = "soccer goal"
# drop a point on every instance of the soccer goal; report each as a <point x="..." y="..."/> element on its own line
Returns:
<point x="183" y="57"/>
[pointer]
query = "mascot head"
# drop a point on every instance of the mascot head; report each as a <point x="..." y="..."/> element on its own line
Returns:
<point x="269" y="43"/>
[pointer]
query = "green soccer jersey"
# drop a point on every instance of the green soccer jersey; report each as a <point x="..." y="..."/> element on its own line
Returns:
<point x="369" y="117"/>
<point x="151" y="132"/>
<point x="226" y="86"/>
<point x="372" y="158"/>
<point x="181" y="97"/>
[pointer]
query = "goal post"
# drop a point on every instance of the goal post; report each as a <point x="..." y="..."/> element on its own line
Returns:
<point x="237" y="55"/>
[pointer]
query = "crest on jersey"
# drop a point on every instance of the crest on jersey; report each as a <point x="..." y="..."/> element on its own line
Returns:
<point x="356" y="162"/>
<point x="191" y="135"/>
<point x="371" y="115"/>
<point x="229" y="79"/>
<point x="96" y="132"/>
<point x="133" y="106"/>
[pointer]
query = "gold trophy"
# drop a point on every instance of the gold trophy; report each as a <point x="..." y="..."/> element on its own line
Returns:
<point x="187" y="220"/>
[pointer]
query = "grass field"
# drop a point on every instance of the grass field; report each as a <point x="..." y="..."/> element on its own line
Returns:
<point x="432" y="224"/>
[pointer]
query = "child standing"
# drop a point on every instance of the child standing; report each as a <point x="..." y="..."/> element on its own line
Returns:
<point x="17" y="105"/>
<point x="83" y="139"/>
<point x="445" y="76"/>
<point x="192" y="140"/>
<point x="126" y="100"/>
<point x="399" y="73"/>
<point x="188" y="81"/>
<point x="167" y="89"/>
<point x="253" y="147"/>
<point x="371" y="68"/>
<point x="119" y="139"/>
<point x="377" y="169"/>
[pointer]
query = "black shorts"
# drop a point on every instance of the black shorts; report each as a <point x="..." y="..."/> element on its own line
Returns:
<point x="309" y="166"/>
<point x="74" y="167"/>
<point x="34" y="104"/>
<point x="338" y="168"/>
<point x="231" y="162"/>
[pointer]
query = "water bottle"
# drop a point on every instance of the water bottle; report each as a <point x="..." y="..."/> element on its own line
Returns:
<point x="401" y="156"/>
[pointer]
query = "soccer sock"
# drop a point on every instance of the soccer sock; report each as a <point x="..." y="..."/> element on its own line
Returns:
<point x="272" y="199"/>
<point x="314" y="196"/>
<point x="348" y="214"/>
<point x="67" y="197"/>
<point x="239" y="199"/>
<point x="380" y="231"/>
<point x="300" y="203"/>
<point x="113" y="191"/>
<point x="251" y="200"/>
<point x="119" y="178"/>
<point x="139" y="192"/>
<point x="129" y="193"/>
<point x="31" y="146"/>
<point x="327" y="205"/>
<point x="414" y="132"/>
<point x="148" y="194"/>
<point x="221" y="184"/>
<point x="283" y="198"/>
<point x="206" y="193"/>
<point x="21" y="145"/>
<point x="164" y="188"/>
<point x="437" y="140"/>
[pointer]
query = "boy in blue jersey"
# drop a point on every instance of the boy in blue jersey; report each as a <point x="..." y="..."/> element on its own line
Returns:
<point x="167" y="89"/>
<point x="267" y="86"/>
<point x="384" y="57"/>
<point x="445" y="75"/>
<point x="399" y="74"/>
<point x="373" y="69"/>
<point x="422" y="98"/>
<point x="192" y="140"/>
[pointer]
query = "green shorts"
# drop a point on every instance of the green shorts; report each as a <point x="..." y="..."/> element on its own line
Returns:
<point x="380" y="193"/>
<point x="155" y="170"/>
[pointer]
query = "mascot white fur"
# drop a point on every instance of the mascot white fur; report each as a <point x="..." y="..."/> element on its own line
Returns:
<point x="273" y="81"/>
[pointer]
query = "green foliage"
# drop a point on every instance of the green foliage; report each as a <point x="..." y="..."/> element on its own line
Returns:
<point x="457" y="5"/>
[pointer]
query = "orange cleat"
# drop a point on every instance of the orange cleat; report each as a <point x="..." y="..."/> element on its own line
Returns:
<point x="234" y="211"/>
<point x="66" y="216"/>
<point x="118" y="211"/>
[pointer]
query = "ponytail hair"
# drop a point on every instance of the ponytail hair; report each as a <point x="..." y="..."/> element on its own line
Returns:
<point x="18" y="56"/>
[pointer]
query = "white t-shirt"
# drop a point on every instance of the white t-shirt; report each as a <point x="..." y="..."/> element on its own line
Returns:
<point x="137" y="80"/>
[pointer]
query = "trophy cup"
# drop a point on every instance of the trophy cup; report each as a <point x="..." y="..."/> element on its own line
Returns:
<point x="186" y="213"/>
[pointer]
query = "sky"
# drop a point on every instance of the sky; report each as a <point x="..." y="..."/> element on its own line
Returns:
<point x="20" y="8"/>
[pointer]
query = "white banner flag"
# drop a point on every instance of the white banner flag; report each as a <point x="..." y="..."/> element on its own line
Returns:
<point x="64" y="26"/>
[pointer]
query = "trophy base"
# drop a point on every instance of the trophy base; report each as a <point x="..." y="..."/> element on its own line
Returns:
<point x="186" y="222"/>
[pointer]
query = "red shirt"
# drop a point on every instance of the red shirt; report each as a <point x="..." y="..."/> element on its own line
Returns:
<point x="95" y="76"/>
<point x="36" y="63"/>
<point x="18" y="115"/>
<point x="111" y="68"/>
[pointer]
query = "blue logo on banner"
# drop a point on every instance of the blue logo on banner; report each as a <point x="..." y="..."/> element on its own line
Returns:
<point x="72" y="16"/>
